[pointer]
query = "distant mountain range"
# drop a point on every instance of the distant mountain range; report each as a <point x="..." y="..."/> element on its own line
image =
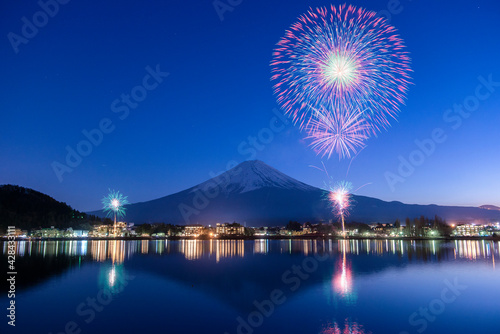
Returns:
<point x="256" y="194"/>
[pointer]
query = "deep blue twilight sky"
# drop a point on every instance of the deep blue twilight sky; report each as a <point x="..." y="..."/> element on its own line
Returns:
<point x="218" y="92"/>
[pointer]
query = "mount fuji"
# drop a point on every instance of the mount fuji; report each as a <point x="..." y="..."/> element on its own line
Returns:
<point x="259" y="195"/>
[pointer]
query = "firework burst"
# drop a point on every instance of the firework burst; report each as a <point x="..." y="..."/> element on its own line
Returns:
<point x="343" y="133"/>
<point x="340" y="197"/>
<point x="340" y="200"/>
<point x="341" y="60"/>
<point x="114" y="204"/>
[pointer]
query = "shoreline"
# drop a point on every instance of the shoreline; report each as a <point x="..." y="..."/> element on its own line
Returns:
<point x="268" y="237"/>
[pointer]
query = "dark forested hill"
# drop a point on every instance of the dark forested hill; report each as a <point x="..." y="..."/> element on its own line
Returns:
<point x="26" y="208"/>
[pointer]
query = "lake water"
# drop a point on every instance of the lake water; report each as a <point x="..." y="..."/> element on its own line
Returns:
<point x="262" y="286"/>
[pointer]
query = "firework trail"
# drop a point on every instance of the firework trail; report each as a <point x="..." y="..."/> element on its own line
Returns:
<point x="339" y="195"/>
<point x="341" y="60"/>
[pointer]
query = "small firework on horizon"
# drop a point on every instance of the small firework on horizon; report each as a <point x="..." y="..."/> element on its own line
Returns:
<point x="114" y="204"/>
<point x="340" y="200"/>
<point x="340" y="197"/>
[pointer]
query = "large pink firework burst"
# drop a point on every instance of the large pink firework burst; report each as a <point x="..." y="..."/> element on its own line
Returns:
<point x="341" y="60"/>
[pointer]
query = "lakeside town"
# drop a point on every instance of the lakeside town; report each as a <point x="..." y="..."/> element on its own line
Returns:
<point x="29" y="214"/>
<point x="418" y="228"/>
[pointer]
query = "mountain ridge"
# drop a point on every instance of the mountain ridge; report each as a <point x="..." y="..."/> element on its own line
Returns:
<point x="259" y="195"/>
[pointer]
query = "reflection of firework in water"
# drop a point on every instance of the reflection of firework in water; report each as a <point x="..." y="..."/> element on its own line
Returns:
<point x="112" y="278"/>
<point x="341" y="60"/>
<point x="350" y="327"/>
<point x="340" y="200"/>
<point x="342" y="280"/>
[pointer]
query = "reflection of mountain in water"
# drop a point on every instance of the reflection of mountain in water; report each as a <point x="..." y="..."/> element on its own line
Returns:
<point x="37" y="262"/>
<point x="210" y="266"/>
<point x="260" y="266"/>
<point x="260" y="195"/>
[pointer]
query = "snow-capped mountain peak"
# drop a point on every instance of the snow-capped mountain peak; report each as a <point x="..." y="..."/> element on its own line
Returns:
<point x="252" y="175"/>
